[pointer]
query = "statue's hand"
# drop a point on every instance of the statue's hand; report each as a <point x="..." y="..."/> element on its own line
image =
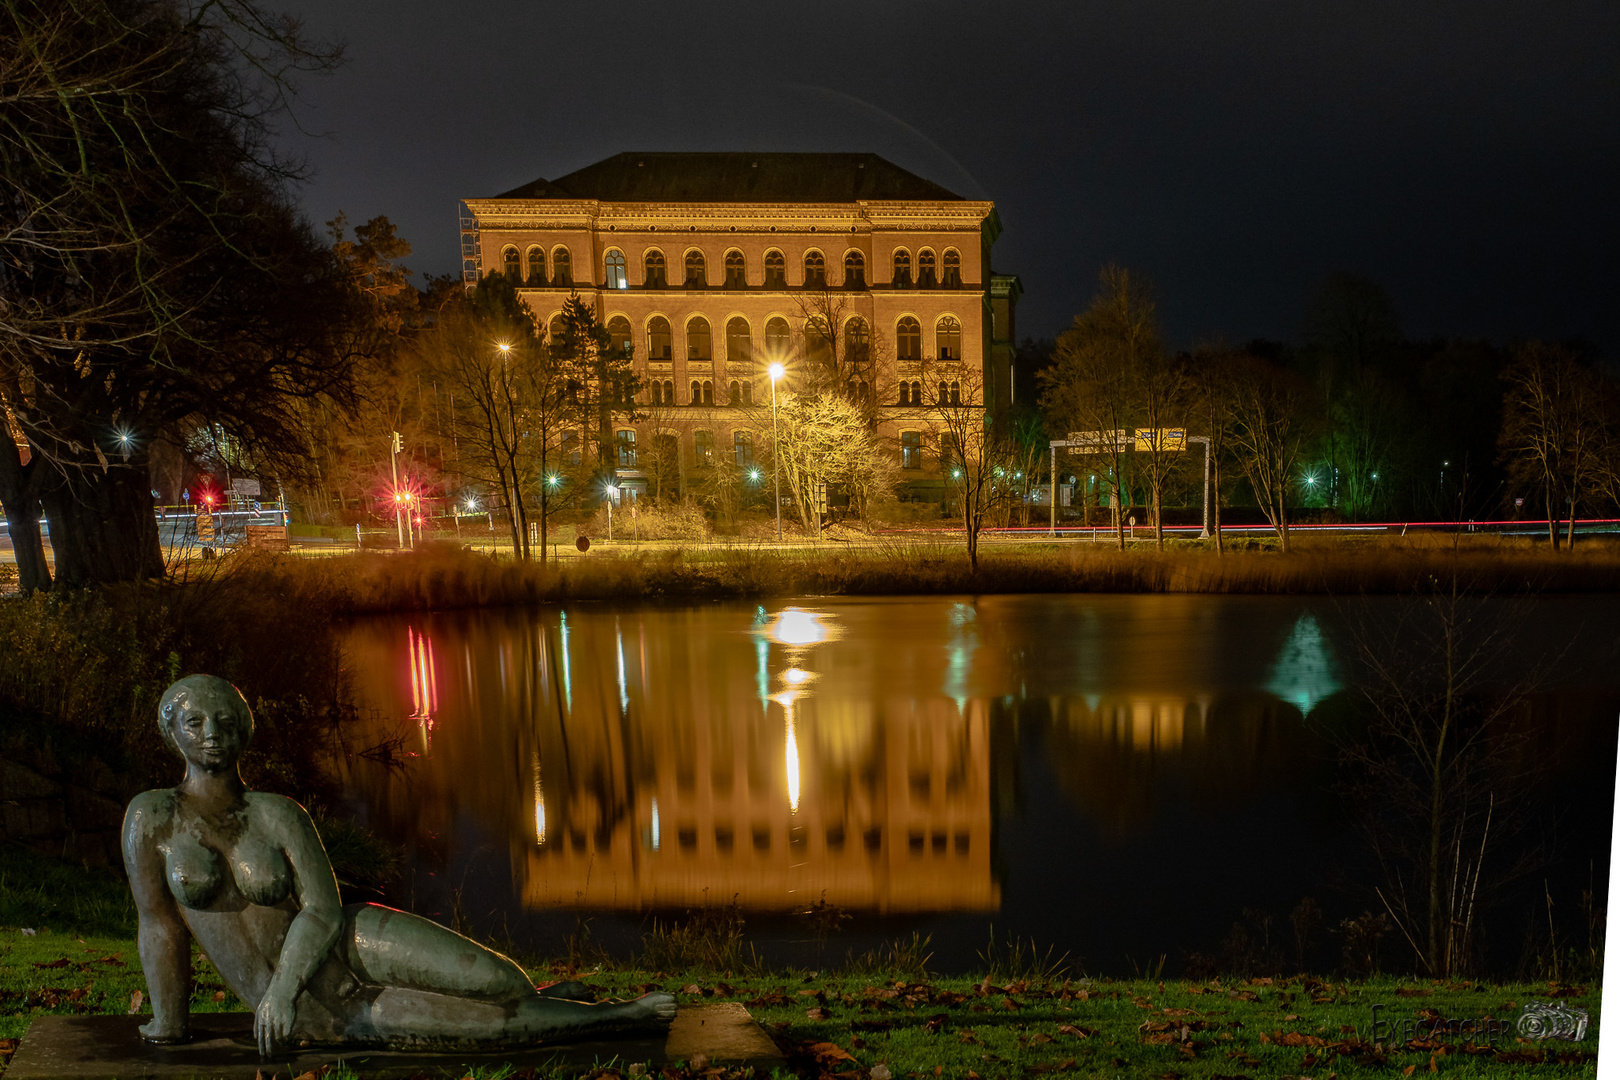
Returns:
<point x="273" y="1021"/>
<point x="156" y="1031"/>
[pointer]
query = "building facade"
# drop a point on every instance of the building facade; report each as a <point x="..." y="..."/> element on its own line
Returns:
<point x="712" y="266"/>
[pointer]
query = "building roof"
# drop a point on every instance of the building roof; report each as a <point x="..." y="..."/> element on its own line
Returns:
<point x="738" y="178"/>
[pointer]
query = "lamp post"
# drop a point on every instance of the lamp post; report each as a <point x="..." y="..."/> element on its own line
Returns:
<point x="776" y="371"/>
<point x="393" y="465"/>
<point x="612" y="492"/>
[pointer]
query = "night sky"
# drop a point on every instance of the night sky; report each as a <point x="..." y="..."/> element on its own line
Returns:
<point x="1465" y="155"/>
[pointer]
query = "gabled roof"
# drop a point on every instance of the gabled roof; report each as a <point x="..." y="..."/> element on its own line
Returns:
<point x="738" y="178"/>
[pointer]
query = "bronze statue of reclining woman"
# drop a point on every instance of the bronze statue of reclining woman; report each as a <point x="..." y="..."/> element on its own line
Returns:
<point x="244" y="873"/>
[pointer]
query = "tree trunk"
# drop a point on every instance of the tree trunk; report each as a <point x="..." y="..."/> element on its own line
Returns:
<point x="102" y="526"/>
<point x="1282" y="517"/>
<point x="1215" y="507"/>
<point x="21" y="503"/>
<point x="1552" y="515"/>
<point x="1569" y="540"/>
<point x="1158" y="516"/>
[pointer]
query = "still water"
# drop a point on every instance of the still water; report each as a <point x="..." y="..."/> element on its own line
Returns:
<point x="1117" y="777"/>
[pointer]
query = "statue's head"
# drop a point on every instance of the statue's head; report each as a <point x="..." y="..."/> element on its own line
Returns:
<point x="206" y="721"/>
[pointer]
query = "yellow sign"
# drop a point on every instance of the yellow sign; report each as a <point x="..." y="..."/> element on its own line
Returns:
<point x="205" y="527"/>
<point x="1167" y="438"/>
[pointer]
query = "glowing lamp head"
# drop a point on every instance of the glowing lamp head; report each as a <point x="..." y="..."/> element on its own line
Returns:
<point x="776" y="371"/>
<point x="503" y="346"/>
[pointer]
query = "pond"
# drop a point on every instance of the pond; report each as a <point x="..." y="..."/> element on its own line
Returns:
<point x="1116" y="777"/>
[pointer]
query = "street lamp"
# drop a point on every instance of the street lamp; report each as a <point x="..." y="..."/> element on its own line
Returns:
<point x="776" y="371"/>
<point x="612" y="493"/>
<point x="393" y="465"/>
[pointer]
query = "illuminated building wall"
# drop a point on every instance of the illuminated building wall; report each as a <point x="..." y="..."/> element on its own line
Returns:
<point x="614" y="223"/>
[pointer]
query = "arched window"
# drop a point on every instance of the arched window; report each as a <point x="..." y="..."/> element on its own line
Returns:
<point x="697" y="392"/>
<point x="655" y="393"/>
<point x="562" y="272"/>
<point x="734" y="395"/>
<point x="708" y="392"/>
<point x="514" y="267"/>
<point x="956" y="393"/>
<point x="948" y="339"/>
<point x="537" y="268"/>
<point x="739" y="344"/>
<point x="908" y="336"/>
<point x="953" y="269"/>
<point x="815" y="271"/>
<point x="902" y="268"/>
<point x="777" y="341"/>
<point x="617" y="277"/>
<point x="743" y="447"/>
<point x="775" y="270"/>
<point x="736" y="270"/>
<point x="618" y="329"/>
<point x="658" y="340"/>
<point x="696" y="275"/>
<point x="854" y="270"/>
<point x="703" y="447"/>
<point x="916" y="393"/>
<point x="556" y="328"/>
<point x="925" y="270"/>
<point x="669" y="391"/>
<point x="747" y="392"/>
<point x="702" y="392"/>
<point x="857" y="342"/>
<point x="818" y="341"/>
<point x="654" y="263"/>
<point x="944" y="393"/>
<point x="697" y="339"/>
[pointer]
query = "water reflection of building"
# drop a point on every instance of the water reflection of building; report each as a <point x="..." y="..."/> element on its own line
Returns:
<point x="893" y="810"/>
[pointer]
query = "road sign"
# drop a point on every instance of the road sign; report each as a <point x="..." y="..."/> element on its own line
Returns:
<point x="1167" y="438"/>
<point x="205" y="526"/>
<point x="249" y="488"/>
<point x="1084" y="442"/>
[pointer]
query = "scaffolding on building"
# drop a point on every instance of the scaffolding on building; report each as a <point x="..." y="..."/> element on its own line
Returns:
<point x="471" y="260"/>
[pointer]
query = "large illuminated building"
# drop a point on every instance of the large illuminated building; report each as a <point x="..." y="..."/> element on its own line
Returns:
<point x="709" y="266"/>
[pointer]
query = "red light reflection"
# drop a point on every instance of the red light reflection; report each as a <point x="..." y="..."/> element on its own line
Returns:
<point x="424" y="684"/>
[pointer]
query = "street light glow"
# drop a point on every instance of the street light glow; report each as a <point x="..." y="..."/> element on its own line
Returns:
<point x="776" y="371"/>
<point x="553" y="480"/>
<point x="503" y="346"/>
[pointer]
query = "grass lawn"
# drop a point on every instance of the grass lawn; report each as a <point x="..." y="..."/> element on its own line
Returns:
<point x="859" y="1025"/>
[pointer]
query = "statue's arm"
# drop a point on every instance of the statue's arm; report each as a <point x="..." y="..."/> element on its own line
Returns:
<point x="314" y="929"/>
<point x="164" y="941"/>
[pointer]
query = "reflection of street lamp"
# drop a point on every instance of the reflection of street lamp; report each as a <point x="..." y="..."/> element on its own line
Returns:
<point x="776" y="371"/>
<point x="612" y="493"/>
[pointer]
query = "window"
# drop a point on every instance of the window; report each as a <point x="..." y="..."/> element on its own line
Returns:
<point x="916" y="393"/>
<point x="557" y="329"/>
<point x="702" y="392"/>
<point x="561" y="268"/>
<point x="818" y="341"/>
<point x="617" y="277"/>
<point x="703" y="447"/>
<point x="748" y="392"/>
<point x="736" y="271"/>
<point x="626" y="444"/>
<point x="570" y="447"/>
<point x="775" y="270"/>
<point x="854" y="270"/>
<point x="739" y="344"/>
<point x="815" y="271"/>
<point x="956" y="393"/>
<point x="741" y="393"/>
<point x="537" y="268"/>
<point x="696" y="275"/>
<point x="514" y="268"/>
<point x="697" y="339"/>
<point x="658" y="337"/>
<point x="618" y="329"/>
<point x="953" y="269"/>
<point x="909" y="337"/>
<point x="734" y="395"/>
<point x="571" y="393"/>
<point x="925" y="270"/>
<point x="857" y="342"/>
<point x="654" y="263"/>
<point x="669" y="391"/>
<point x="743" y="448"/>
<point x="911" y="449"/>
<point x="948" y="339"/>
<point x="944" y="393"/>
<point x="902" y="269"/>
<point x="777" y="335"/>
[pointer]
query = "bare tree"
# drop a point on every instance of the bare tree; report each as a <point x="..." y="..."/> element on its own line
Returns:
<point x="978" y="458"/>
<point x="1211" y="376"/>
<point x="1092" y="384"/>
<point x="1272" y="413"/>
<point x="1553" y="428"/>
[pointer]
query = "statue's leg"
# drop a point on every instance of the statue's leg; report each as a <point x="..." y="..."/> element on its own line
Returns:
<point x="396" y="949"/>
<point x="401" y="1017"/>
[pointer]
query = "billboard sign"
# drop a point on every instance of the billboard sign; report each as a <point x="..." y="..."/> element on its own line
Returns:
<point x="1165" y="438"/>
<point x="1092" y="442"/>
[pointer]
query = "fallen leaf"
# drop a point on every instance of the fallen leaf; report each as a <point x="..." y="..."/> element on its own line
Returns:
<point x="881" y="1071"/>
<point x="818" y="1013"/>
<point x="692" y="988"/>
<point x="832" y="1051"/>
<point x="62" y="963"/>
<point x="699" y="1062"/>
<point x="1077" y="1032"/>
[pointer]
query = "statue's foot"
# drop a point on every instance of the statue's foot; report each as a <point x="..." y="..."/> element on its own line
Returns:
<point x="572" y="990"/>
<point x="153" y="1032"/>
<point x="656" y="1007"/>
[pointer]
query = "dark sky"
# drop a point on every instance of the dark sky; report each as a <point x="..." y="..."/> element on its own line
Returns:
<point x="1464" y="154"/>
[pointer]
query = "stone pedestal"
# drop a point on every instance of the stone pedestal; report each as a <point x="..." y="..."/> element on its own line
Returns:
<point x="110" y="1048"/>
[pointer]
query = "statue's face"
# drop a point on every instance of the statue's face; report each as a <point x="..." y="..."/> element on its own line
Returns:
<point x="210" y="728"/>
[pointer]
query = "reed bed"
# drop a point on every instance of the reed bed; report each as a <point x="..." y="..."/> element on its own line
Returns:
<point x="444" y="576"/>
